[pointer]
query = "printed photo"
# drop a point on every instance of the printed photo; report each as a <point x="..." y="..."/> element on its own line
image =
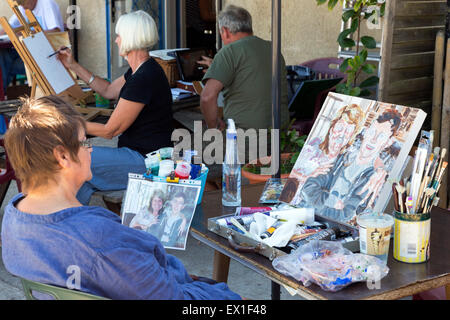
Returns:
<point x="162" y="209"/>
<point x="353" y="148"/>
<point x="272" y="190"/>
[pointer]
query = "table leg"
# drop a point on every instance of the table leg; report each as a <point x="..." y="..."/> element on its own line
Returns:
<point x="221" y="267"/>
<point x="276" y="291"/>
<point x="447" y="291"/>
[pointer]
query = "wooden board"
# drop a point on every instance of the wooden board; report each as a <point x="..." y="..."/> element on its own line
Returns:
<point x="438" y="85"/>
<point x="419" y="21"/>
<point x="427" y="33"/>
<point x="420" y="8"/>
<point x="408" y="45"/>
<point x="445" y="127"/>
<point x="416" y="59"/>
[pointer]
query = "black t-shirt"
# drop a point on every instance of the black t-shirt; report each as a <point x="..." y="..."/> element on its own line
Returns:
<point x="152" y="128"/>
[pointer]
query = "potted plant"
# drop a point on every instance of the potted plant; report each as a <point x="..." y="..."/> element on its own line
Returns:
<point x="291" y="144"/>
<point x="356" y="12"/>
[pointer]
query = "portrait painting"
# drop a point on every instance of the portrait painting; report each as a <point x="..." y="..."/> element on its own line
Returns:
<point x="354" y="149"/>
<point x="162" y="209"/>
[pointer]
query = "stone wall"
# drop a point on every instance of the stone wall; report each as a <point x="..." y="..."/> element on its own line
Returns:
<point x="308" y="31"/>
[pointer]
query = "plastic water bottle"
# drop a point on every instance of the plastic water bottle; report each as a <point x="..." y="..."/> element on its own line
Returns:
<point x="231" y="170"/>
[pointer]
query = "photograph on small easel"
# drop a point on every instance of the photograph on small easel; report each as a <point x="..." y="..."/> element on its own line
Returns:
<point x="160" y="208"/>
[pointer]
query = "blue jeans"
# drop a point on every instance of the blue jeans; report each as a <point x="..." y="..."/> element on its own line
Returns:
<point x="110" y="168"/>
<point x="11" y="64"/>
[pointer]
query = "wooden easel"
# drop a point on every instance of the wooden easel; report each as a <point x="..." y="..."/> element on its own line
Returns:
<point x="28" y="29"/>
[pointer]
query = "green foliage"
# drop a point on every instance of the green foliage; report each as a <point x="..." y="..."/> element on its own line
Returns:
<point x="360" y="10"/>
<point x="291" y="142"/>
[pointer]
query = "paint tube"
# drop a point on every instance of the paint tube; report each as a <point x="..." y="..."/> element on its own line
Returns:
<point x="226" y="222"/>
<point x="326" y="234"/>
<point x="241" y="211"/>
<point x="269" y="232"/>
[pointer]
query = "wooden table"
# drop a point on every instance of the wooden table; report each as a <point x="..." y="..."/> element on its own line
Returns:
<point x="185" y="111"/>
<point x="9" y="108"/>
<point x="403" y="279"/>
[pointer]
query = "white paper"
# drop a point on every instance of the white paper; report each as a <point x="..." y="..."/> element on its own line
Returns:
<point x="52" y="69"/>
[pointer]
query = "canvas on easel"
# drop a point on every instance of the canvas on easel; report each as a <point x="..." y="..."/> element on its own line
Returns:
<point x="33" y="47"/>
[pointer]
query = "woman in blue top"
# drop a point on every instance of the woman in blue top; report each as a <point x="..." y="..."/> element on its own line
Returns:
<point x="143" y="115"/>
<point x="47" y="233"/>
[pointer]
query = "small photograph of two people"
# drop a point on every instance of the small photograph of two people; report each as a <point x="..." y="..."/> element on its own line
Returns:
<point x="162" y="209"/>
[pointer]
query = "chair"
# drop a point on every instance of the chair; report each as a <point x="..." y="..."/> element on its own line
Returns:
<point x="323" y="68"/>
<point x="57" y="293"/>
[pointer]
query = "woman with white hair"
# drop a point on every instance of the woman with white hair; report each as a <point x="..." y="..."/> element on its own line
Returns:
<point x="143" y="115"/>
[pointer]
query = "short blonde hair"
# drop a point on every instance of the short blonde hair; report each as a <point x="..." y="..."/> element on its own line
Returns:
<point x="137" y="31"/>
<point x="38" y="127"/>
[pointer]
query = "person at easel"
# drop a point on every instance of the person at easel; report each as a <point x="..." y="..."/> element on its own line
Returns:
<point x="48" y="15"/>
<point x="143" y="115"/>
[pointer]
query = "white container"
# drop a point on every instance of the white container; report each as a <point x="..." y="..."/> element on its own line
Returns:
<point x="375" y="234"/>
<point x="165" y="168"/>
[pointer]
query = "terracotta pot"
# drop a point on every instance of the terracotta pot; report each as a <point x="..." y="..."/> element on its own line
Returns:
<point x="258" y="178"/>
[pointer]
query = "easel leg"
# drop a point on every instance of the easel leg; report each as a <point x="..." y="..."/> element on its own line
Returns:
<point x="221" y="267"/>
<point x="33" y="89"/>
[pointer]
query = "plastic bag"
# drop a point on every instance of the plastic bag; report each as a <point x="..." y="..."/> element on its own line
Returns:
<point x="329" y="265"/>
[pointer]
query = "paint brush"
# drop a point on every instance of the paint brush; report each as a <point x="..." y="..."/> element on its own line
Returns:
<point x="425" y="179"/>
<point x="409" y="204"/>
<point x="401" y="193"/>
<point x="435" y="163"/>
<point x="428" y="194"/>
<point x="58" y="51"/>
<point x="444" y="166"/>
<point x="396" y="195"/>
<point x="443" y="153"/>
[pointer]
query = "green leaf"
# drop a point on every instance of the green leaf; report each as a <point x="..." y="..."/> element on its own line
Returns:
<point x="320" y="2"/>
<point x="369" y="42"/>
<point x="348" y="14"/>
<point x="347" y="43"/>
<point x="352" y="64"/>
<point x="355" y="92"/>
<point x="368" y="68"/>
<point x="343" y="88"/>
<point x="363" y="55"/>
<point x="344" y="65"/>
<point x="342" y="36"/>
<point x="332" y="4"/>
<point x="365" y="93"/>
<point x="369" y="82"/>
<point x="355" y="24"/>
<point x="382" y="9"/>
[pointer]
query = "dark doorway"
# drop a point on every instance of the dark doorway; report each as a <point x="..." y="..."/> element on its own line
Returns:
<point x="200" y="24"/>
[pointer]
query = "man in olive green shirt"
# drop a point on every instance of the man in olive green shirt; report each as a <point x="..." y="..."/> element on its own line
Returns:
<point x="243" y="70"/>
